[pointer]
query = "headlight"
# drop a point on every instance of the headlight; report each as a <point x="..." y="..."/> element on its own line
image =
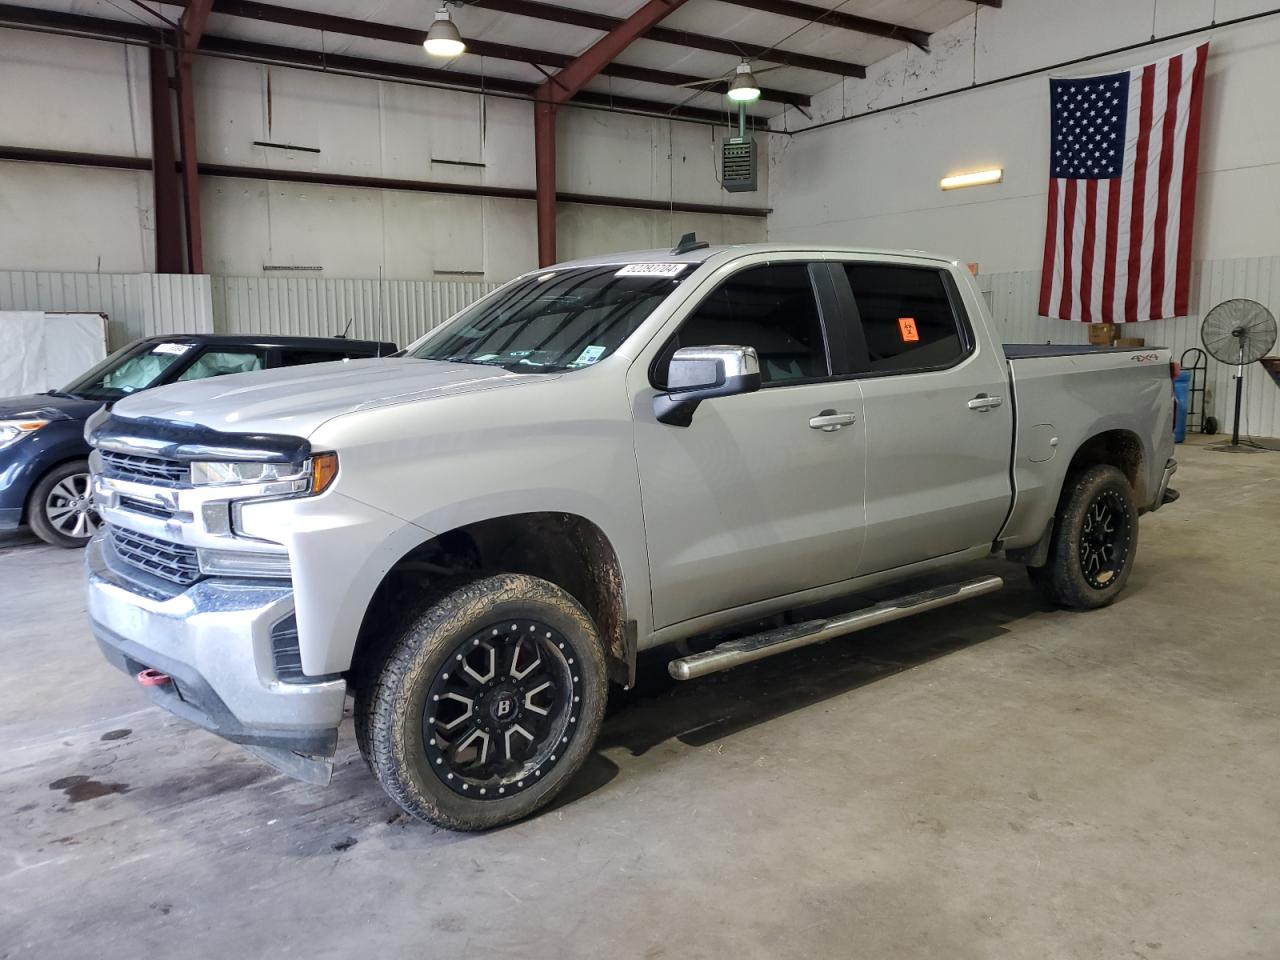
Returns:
<point x="240" y="563"/>
<point x="11" y="431"/>
<point x="311" y="476"/>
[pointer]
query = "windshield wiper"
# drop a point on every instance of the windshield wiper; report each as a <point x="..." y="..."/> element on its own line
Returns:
<point x="63" y="393"/>
<point x="478" y="363"/>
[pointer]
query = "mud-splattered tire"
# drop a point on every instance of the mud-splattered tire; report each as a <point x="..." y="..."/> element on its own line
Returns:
<point x="1094" y="543"/>
<point x="486" y="705"/>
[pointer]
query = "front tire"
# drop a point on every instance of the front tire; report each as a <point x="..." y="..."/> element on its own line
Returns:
<point x="487" y="703"/>
<point x="60" y="509"/>
<point x="1094" y="543"/>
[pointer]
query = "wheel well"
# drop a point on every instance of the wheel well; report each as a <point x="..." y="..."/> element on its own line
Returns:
<point x="565" y="549"/>
<point x="1119" y="448"/>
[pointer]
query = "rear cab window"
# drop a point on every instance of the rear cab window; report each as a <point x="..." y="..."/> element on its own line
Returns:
<point x="901" y="319"/>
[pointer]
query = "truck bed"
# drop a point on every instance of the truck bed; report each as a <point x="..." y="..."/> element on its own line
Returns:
<point x="1025" y="351"/>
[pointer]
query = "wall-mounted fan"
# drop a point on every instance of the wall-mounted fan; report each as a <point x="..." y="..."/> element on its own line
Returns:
<point x="1238" y="333"/>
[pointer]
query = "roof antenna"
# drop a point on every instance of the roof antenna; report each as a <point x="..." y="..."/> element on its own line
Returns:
<point x="347" y="328"/>
<point x="689" y="242"/>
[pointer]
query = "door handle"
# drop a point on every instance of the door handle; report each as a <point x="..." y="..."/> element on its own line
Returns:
<point x="982" y="402"/>
<point x="828" y="421"/>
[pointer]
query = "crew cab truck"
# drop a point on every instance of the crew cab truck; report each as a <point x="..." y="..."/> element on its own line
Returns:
<point x="477" y="538"/>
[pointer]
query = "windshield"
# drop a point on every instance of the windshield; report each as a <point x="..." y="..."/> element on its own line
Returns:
<point x="558" y="320"/>
<point x="126" y="371"/>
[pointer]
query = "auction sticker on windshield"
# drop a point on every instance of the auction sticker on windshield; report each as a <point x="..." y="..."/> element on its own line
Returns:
<point x="588" y="356"/>
<point x="652" y="270"/>
<point x="172" y="348"/>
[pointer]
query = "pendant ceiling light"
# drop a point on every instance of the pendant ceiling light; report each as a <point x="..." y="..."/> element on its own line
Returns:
<point x="443" y="39"/>
<point x="744" y="88"/>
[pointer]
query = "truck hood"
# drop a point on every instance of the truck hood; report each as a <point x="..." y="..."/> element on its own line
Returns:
<point x="297" y="400"/>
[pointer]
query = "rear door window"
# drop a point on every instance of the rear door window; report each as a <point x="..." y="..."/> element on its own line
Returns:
<point x="772" y="308"/>
<point x="907" y="318"/>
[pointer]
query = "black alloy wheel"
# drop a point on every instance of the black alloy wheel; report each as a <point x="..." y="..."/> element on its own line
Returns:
<point x="501" y="709"/>
<point x="1104" y="539"/>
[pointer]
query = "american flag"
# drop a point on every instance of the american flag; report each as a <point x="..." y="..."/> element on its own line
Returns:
<point x="1122" y="192"/>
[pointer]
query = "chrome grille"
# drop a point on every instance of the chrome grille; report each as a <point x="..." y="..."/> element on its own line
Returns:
<point x="162" y="558"/>
<point x="140" y="469"/>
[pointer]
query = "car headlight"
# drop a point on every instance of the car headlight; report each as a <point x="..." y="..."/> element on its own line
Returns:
<point x="311" y="476"/>
<point x="11" y="431"/>
<point x="240" y="563"/>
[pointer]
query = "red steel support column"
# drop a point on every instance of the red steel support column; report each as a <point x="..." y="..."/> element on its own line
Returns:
<point x="559" y="89"/>
<point x="193" y="23"/>
<point x="166" y="186"/>
<point x="544" y="156"/>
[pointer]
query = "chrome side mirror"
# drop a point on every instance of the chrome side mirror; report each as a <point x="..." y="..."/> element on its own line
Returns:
<point x="700" y="373"/>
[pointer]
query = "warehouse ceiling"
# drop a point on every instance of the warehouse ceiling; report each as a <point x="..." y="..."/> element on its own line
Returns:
<point x="528" y="40"/>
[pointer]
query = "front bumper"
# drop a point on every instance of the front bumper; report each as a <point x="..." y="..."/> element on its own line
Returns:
<point x="10" y="518"/>
<point x="214" y="640"/>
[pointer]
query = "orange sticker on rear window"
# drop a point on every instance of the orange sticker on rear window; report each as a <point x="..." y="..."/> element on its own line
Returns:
<point x="907" y="327"/>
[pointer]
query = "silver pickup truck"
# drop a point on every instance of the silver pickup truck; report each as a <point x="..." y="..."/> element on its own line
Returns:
<point x="476" y="539"/>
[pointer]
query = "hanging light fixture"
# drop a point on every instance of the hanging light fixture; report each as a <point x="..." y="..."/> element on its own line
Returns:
<point x="743" y="88"/>
<point x="443" y="39"/>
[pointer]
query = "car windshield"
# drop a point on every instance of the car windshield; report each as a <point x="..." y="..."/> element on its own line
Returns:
<point x="558" y="320"/>
<point x="127" y="371"/>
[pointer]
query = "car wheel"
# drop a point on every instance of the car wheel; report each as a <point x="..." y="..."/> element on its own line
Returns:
<point x="60" y="509"/>
<point x="486" y="704"/>
<point x="1094" y="543"/>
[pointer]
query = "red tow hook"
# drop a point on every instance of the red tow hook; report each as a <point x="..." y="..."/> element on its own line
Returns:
<point x="153" y="678"/>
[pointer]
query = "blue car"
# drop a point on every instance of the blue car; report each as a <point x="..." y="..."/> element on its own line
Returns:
<point x="44" y="469"/>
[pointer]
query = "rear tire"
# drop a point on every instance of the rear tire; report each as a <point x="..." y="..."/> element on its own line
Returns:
<point x="1094" y="543"/>
<point x="486" y="705"/>
<point x="59" y="510"/>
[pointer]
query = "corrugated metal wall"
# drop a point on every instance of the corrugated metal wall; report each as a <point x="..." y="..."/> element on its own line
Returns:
<point x="136" y="304"/>
<point x="398" y="310"/>
<point x="1014" y="298"/>
<point x="145" y="304"/>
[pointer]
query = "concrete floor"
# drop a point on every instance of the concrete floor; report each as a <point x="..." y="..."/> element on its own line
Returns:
<point x="996" y="780"/>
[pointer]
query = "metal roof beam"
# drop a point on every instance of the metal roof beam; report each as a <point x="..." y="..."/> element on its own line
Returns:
<point x="330" y="23"/>
<point x="536" y="10"/>
<point x="99" y="28"/>
<point x="822" y="16"/>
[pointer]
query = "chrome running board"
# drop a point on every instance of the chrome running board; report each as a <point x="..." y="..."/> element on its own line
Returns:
<point x="734" y="653"/>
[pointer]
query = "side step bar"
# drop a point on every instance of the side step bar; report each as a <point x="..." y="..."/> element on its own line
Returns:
<point x="734" y="653"/>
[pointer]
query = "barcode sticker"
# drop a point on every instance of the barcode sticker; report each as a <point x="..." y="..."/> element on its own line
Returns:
<point x="652" y="270"/>
<point x="171" y="348"/>
<point x="907" y="327"/>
